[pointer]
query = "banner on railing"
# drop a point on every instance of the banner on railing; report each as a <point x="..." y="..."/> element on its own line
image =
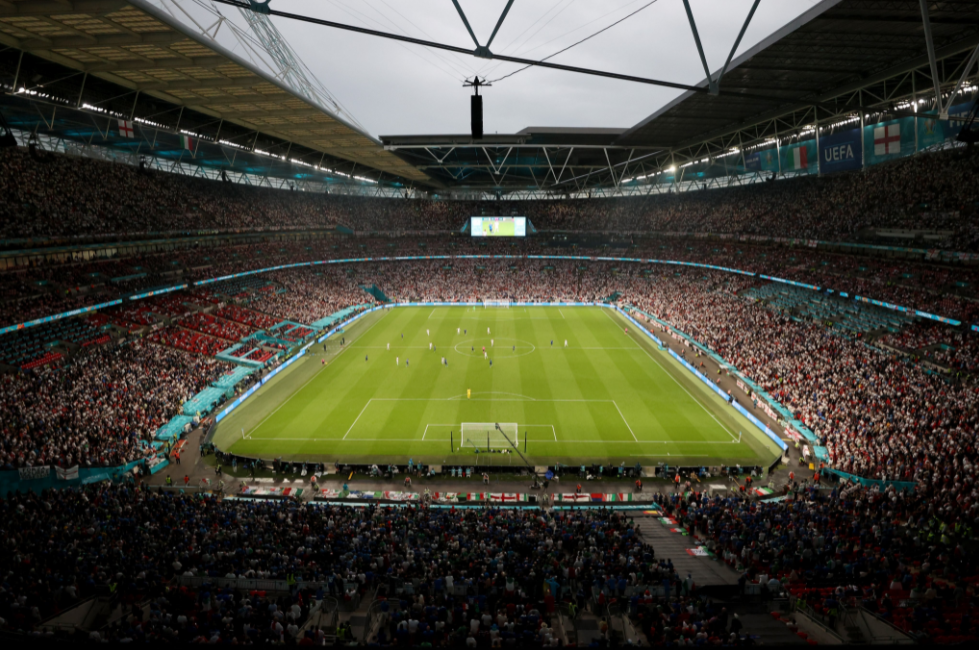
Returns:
<point x="34" y="473"/>
<point x="69" y="474"/>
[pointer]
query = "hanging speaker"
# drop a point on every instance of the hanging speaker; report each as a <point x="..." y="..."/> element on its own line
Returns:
<point x="476" y="108"/>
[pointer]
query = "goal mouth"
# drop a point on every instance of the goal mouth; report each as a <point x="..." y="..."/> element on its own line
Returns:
<point x="496" y="303"/>
<point x="490" y="435"/>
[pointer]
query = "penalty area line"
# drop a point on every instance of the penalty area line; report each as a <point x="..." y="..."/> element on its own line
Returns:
<point x="313" y="376"/>
<point x="626" y="421"/>
<point x="678" y="383"/>
<point x="425" y="433"/>
<point x="358" y="418"/>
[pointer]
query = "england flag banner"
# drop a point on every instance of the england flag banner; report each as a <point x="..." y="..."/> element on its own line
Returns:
<point x="887" y="139"/>
<point x="127" y="129"/>
<point x="69" y="474"/>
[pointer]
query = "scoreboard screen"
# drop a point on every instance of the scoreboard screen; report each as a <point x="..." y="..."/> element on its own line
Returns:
<point x="498" y="226"/>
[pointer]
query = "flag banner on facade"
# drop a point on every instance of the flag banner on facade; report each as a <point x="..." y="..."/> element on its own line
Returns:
<point x="887" y="139"/>
<point x="798" y="159"/>
<point x="187" y="142"/>
<point x="840" y="152"/>
<point x="127" y="129"/>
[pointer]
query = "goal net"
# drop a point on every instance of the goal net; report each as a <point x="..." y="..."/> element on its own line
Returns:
<point x="490" y="435"/>
<point x="496" y="303"/>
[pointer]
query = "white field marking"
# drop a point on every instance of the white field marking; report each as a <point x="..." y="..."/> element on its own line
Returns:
<point x="433" y="313"/>
<point x="553" y="430"/>
<point x="511" y="317"/>
<point x="393" y="347"/>
<point x="576" y="347"/>
<point x="576" y="442"/>
<point x="678" y="455"/>
<point x="561" y="312"/>
<point x="636" y="442"/>
<point x="723" y="426"/>
<point x="476" y="399"/>
<point x="394" y="440"/>
<point x="496" y="392"/>
<point x="523" y="398"/>
<point x="431" y="425"/>
<point x="295" y="392"/>
<point x="358" y="417"/>
<point x="626" y="421"/>
<point x="333" y="440"/>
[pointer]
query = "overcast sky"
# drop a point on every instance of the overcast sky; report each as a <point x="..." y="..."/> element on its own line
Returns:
<point x="395" y="88"/>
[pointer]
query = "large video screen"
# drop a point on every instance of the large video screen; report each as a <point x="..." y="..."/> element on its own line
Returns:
<point x="498" y="226"/>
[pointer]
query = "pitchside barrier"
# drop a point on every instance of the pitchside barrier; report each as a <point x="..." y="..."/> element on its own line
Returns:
<point x="901" y="486"/>
<point x="585" y="258"/>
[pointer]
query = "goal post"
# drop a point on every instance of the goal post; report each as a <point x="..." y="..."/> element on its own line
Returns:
<point x="489" y="435"/>
<point x="496" y="303"/>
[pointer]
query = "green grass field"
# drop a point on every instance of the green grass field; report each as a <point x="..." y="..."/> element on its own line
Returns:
<point x="607" y="397"/>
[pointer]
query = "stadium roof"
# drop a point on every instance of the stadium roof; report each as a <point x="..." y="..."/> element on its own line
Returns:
<point x="823" y="59"/>
<point x="178" y="79"/>
<point x="839" y="59"/>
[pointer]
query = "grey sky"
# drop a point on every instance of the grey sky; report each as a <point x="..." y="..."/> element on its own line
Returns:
<point x="394" y="88"/>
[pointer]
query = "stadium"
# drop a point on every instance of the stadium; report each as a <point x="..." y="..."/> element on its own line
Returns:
<point x="269" y="376"/>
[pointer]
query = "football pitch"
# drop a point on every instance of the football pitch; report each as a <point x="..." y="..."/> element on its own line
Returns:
<point x="408" y="379"/>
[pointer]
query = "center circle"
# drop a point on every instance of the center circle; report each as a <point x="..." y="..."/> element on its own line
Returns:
<point x="503" y="348"/>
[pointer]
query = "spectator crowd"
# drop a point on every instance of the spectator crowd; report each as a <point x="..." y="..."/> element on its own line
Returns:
<point x="58" y="194"/>
<point x="893" y="405"/>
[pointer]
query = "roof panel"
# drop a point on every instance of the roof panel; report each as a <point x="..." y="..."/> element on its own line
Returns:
<point x="818" y="57"/>
<point x="138" y="47"/>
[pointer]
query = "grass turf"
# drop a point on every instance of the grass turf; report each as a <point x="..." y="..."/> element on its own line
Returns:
<point x="608" y="397"/>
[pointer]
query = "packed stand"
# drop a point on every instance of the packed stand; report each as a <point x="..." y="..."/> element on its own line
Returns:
<point x="952" y="293"/>
<point x="248" y="317"/>
<point x="875" y="412"/>
<point x="99" y="409"/>
<point x="189" y="340"/>
<point x="217" y="327"/>
<point x="496" y="574"/>
<point x="902" y="555"/>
